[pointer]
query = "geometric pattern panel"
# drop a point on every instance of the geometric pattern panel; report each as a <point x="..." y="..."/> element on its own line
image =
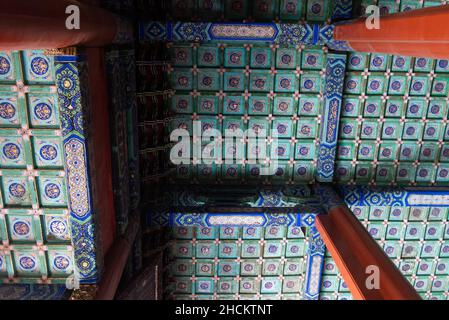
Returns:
<point x="333" y="286"/>
<point x="227" y="263"/>
<point x="393" y="127"/>
<point x="35" y="238"/>
<point x="417" y="241"/>
<point x="260" y="10"/>
<point x="73" y="95"/>
<point x="274" y="90"/>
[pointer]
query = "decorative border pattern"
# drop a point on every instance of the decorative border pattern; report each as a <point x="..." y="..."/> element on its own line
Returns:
<point x="328" y="197"/>
<point x="315" y="261"/>
<point x="68" y="73"/>
<point x="335" y="76"/>
<point x="33" y="292"/>
<point x="235" y="219"/>
<point x="279" y="33"/>
<point x="342" y="9"/>
<point x="388" y="196"/>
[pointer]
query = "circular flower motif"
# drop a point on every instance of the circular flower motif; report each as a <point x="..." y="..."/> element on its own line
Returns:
<point x="234" y="82"/>
<point x="260" y="58"/>
<point x="283" y="106"/>
<point x="279" y="172"/>
<point x="7" y="110"/>
<point x="259" y="83"/>
<point x="347" y="129"/>
<point x="52" y="190"/>
<point x="396" y="85"/>
<point x="435" y="109"/>
<point x="39" y="66"/>
<point x="61" y="263"/>
<point x="439" y="87"/>
<point x="183" y="104"/>
<point x="17" y="190"/>
<point x="383" y="172"/>
<point x="231" y="172"/>
<point x="308" y="106"/>
<point x="377" y="61"/>
<point x="207" y="105"/>
<point x="280" y="151"/>
<point x="48" y="152"/>
<point x="183" y="81"/>
<point x="11" y="151"/>
<point x="371" y="108"/>
<point x="282" y="129"/>
<point x="43" y="111"/>
<point x="410" y="131"/>
<point x="259" y="106"/>
<point x="302" y="171"/>
<point x="5" y="65"/>
<point x="421" y="62"/>
<point x="349" y="107"/>
<point x="58" y="227"/>
<point x="351" y="84"/>
<point x="443" y="64"/>
<point x="368" y="130"/>
<point x="417" y="86"/>
<point x="393" y="108"/>
<point x="208" y="57"/>
<point x="400" y="62"/>
<point x="311" y="60"/>
<point x="308" y="84"/>
<point x="285" y="83"/>
<point x="181" y="55"/>
<point x="316" y="8"/>
<point x="286" y="59"/>
<point x="375" y="84"/>
<point x="225" y="286"/>
<point x="27" y="263"/>
<point x="363" y="172"/>
<point x="290" y="7"/>
<point x="207" y="81"/>
<point x="355" y="61"/>
<point x="235" y="57"/>
<point x="21" y="228"/>
<point x="255" y="171"/>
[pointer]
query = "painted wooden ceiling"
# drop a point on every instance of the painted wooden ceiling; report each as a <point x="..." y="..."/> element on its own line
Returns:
<point x="35" y="233"/>
<point x="392" y="132"/>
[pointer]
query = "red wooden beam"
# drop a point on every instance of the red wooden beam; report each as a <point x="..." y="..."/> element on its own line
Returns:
<point x="421" y="32"/>
<point x="100" y="146"/>
<point x="115" y="261"/>
<point x="41" y="24"/>
<point x="354" y="250"/>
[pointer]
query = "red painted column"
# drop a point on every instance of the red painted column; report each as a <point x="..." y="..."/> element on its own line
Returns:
<point x="353" y="250"/>
<point x="115" y="261"/>
<point x="100" y="145"/>
<point x="41" y="24"/>
<point x="422" y="32"/>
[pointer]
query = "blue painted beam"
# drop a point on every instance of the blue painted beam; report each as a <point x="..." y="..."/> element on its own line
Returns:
<point x="314" y="266"/>
<point x="33" y="292"/>
<point x="284" y="34"/>
<point x="73" y="101"/>
<point x="333" y="96"/>
<point x="395" y="196"/>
